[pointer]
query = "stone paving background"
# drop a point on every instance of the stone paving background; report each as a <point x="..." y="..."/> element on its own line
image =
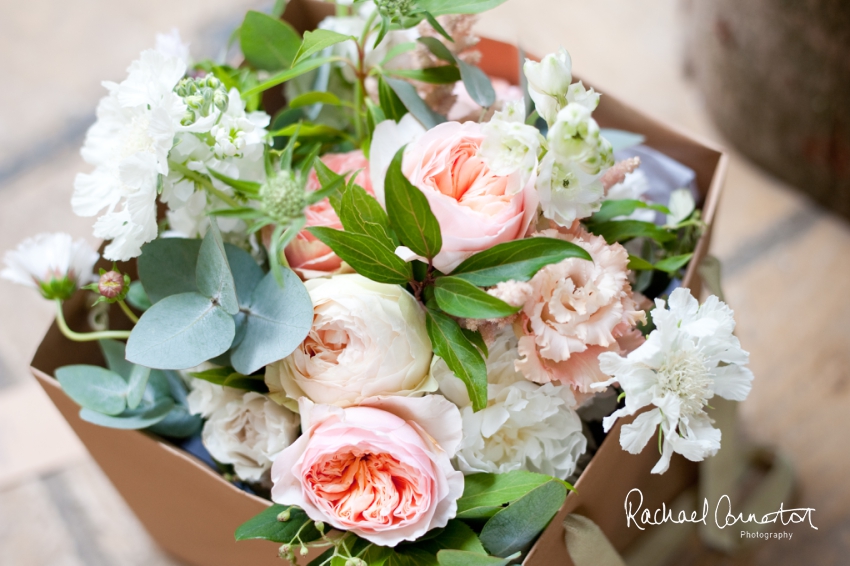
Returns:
<point x="786" y="264"/>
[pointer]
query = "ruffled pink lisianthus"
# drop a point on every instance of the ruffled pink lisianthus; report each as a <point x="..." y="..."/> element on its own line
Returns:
<point x="381" y="470"/>
<point x="577" y="309"/>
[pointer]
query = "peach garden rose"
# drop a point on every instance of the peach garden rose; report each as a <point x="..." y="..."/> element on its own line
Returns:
<point x="381" y="470"/>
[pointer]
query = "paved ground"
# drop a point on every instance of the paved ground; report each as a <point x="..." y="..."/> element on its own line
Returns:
<point x="786" y="272"/>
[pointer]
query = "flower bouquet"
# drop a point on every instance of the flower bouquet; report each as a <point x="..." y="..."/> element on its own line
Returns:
<point x="364" y="281"/>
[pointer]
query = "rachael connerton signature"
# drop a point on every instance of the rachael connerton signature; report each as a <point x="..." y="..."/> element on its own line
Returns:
<point x="724" y="516"/>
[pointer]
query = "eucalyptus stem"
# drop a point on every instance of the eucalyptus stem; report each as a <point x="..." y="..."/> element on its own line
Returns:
<point x="130" y="314"/>
<point x="86" y="336"/>
<point x="203" y="181"/>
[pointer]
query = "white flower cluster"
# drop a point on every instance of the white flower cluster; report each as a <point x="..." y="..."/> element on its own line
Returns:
<point x="245" y="429"/>
<point x="690" y="357"/>
<point x="130" y="146"/>
<point x="56" y="264"/>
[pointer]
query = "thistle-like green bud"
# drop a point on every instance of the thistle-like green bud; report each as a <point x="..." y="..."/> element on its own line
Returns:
<point x="282" y="197"/>
<point x="201" y="96"/>
<point x="395" y="9"/>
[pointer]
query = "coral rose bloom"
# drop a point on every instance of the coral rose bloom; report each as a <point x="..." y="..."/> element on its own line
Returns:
<point x="578" y="309"/>
<point x="307" y="256"/>
<point x="476" y="208"/>
<point x="381" y="470"/>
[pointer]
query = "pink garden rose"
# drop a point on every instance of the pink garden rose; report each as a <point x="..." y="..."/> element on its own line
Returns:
<point x="307" y="256"/>
<point x="476" y="208"/>
<point x="576" y="310"/>
<point x="381" y="470"/>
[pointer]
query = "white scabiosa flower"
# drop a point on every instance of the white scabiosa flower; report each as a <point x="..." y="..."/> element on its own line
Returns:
<point x="690" y="357"/>
<point x="525" y="426"/>
<point x="55" y="264"/>
<point x="509" y="144"/>
<point x="245" y="429"/>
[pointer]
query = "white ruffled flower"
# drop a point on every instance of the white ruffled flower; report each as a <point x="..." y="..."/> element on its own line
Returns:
<point x="245" y="429"/>
<point x="53" y="263"/>
<point x="525" y="426"/>
<point x="509" y="144"/>
<point x="691" y="356"/>
<point x="129" y="145"/>
<point x="576" y="136"/>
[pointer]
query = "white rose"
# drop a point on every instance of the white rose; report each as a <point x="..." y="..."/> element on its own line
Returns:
<point x="245" y="429"/>
<point x="367" y="339"/>
<point x="524" y="426"/>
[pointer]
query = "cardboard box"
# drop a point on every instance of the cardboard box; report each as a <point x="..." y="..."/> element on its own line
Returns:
<point x="192" y="512"/>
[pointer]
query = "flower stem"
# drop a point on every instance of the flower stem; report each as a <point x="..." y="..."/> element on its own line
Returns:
<point x="204" y="182"/>
<point x="130" y="314"/>
<point x="86" y="336"/>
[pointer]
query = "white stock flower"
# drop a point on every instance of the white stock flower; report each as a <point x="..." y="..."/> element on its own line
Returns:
<point x="245" y="429"/>
<point x="681" y="206"/>
<point x="367" y="339"/>
<point x="691" y="356"/>
<point x="509" y="144"/>
<point x="46" y="258"/>
<point x="548" y="82"/>
<point x="129" y="145"/>
<point x="525" y="426"/>
<point x="238" y="133"/>
<point x="566" y="191"/>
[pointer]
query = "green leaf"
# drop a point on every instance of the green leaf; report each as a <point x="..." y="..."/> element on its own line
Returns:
<point x="167" y="267"/>
<point x="621" y="139"/>
<point x="316" y="40"/>
<point x="231" y="378"/>
<point x="137" y="297"/>
<point x="516" y="526"/>
<point x="492" y="490"/>
<point x="411" y="557"/>
<point x="438" y="49"/>
<point x="368" y="256"/>
<point x="246" y="273"/>
<point x="461" y="298"/>
<point x="414" y="103"/>
<point x="477" y="84"/>
<point x="460" y="355"/>
<point x="437" y="26"/>
<point x="674" y="263"/>
<point x="475" y="337"/>
<point x="180" y="332"/>
<point x="624" y="207"/>
<point x="308" y="131"/>
<point x="267" y="526"/>
<point x="396" y="50"/>
<point x="311" y="98"/>
<point x="251" y="188"/>
<point x="360" y="213"/>
<point x="442" y="7"/>
<point x="456" y="535"/>
<point x="479" y="513"/>
<point x="444" y="74"/>
<point x="622" y="230"/>
<point x="518" y="260"/>
<point x="131" y="420"/>
<point x="94" y="388"/>
<point x="466" y="558"/>
<point x="391" y="104"/>
<point x="409" y="212"/>
<point x="268" y="43"/>
<point x="113" y="353"/>
<point x="178" y="423"/>
<point x="278" y="320"/>
<point x="289" y="74"/>
<point x="215" y="281"/>
<point x="136" y="386"/>
<point x="639" y="264"/>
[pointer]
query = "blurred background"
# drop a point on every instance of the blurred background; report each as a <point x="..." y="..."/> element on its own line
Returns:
<point x="766" y="79"/>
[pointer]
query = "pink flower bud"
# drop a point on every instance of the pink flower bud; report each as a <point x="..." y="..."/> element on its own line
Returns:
<point x="110" y="284"/>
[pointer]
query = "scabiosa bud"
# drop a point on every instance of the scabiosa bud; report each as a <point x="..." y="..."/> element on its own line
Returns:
<point x="395" y="9"/>
<point x="110" y="284"/>
<point x="283" y="198"/>
<point x="202" y="95"/>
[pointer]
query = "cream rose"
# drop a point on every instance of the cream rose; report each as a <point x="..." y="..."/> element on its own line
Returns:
<point x="367" y="339"/>
<point x="576" y="310"/>
<point x="476" y="208"/>
<point x="381" y="470"/>
<point x="245" y="429"/>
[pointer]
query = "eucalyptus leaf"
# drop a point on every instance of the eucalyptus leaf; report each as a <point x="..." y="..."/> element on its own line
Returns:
<point x="414" y="103"/>
<point x="178" y="423"/>
<point x="214" y="279"/>
<point x="268" y="43"/>
<point x="180" y="332"/>
<point x="409" y="212"/>
<point x="516" y="526"/>
<point x="460" y="355"/>
<point x="246" y="272"/>
<point x="136" y="386"/>
<point x="477" y="84"/>
<point x="167" y="267"/>
<point x="140" y="418"/>
<point x="137" y="297"/>
<point x="368" y="256"/>
<point x="317" y="40"/>
<point x="94" y="388"/>
<point x="278" y="320"/>
<point x="518" y="260"/>
<point x="461" y="298"/>
<point x="113" y="353"/>
<point x="268" y="526"/>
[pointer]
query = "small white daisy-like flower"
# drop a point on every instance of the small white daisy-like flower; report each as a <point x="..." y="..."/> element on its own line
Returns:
<point x="55" y="264"/>
<point x="690" y="357"/>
